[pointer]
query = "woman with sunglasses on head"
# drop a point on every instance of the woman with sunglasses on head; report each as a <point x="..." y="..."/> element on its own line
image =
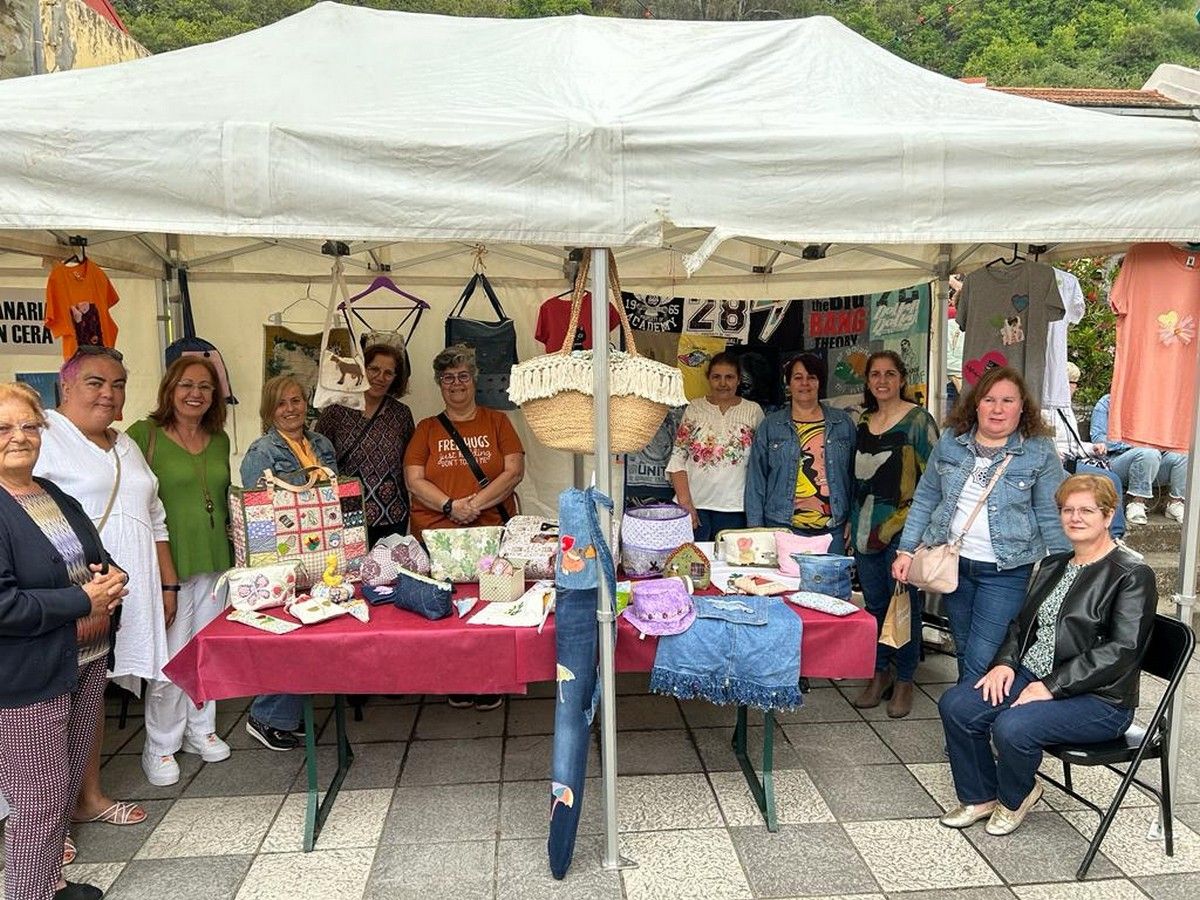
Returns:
<point x="446" y="491"/>
<point x="185" y="445"/>
<point x="370" y="443"/>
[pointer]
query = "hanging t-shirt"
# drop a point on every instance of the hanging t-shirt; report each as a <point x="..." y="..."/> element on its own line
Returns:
<point x="1056" y="393"/>
<point x="555" y="316"/>
<point x="78" y="299"/>
<point x="1157" y="301"/>
<point x="695" y="353"/>
<point x="811" y="507"/>
<point x="1006" y="312"/>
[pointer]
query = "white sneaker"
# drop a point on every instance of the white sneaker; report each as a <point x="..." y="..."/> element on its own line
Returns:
<point x="161" y="771"/>
<point x="210" y="747"/>
<point x="1174" y="510"/>
<point x="1135" y="512"/>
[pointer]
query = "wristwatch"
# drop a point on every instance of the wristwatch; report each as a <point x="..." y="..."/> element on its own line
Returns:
<point x="447" y="506"/>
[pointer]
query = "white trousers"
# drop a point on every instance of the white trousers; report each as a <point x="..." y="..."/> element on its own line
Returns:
<point x="170" y="714"/>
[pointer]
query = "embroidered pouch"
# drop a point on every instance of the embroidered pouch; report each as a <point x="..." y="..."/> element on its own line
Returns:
<point x="748" y="546"/>
<point x="531" y="541"/>
<point x="454" y="553"/>
<point x="261" y="587"/>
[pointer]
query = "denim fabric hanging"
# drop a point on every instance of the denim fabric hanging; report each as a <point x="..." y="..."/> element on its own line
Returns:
<point x="583" y="555"/>
<point x="740" y="649"/>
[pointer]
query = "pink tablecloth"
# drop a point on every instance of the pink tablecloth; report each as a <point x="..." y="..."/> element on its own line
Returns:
<point x="401" y="653"/>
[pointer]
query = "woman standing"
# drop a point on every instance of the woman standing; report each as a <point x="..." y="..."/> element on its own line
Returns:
<point x="895" y="438"/>
<point x="708" y="464"/>
<point x="801" y="460"/>
<point x="370" y="443"/>
<point x="996" y="423"/>
<point x="186" y="447"/>
<point x="105" y="471"/>
<point x="59" y="593"/>
<point x="288" y="449"/>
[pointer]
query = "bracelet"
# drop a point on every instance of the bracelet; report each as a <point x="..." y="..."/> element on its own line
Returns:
<point x="173" y="588"/>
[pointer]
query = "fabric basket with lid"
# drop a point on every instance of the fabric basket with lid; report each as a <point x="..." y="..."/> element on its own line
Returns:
<point x="650" y="534"/>
<point x="555" y="391"/>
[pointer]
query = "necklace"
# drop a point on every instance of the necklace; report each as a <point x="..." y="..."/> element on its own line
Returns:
<point x="201" y="468"/>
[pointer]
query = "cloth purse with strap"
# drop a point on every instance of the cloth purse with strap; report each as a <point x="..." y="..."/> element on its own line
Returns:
<point x="472" y="462"/>
<point x="935" y="568"/>
<point x="495" y="344"/>
<point x="341" y="380"/>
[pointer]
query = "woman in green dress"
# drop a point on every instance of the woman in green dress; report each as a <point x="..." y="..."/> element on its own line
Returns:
<point x="185" y="444"/>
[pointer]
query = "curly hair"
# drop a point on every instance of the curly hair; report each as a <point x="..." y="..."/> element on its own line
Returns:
<point x="965" y="415"/>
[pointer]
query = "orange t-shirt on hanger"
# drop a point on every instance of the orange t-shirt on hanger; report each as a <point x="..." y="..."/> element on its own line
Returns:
<point x="78" y="299"/>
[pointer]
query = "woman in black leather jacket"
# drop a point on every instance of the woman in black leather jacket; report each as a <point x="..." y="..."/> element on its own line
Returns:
<point x="1067" y="672"/>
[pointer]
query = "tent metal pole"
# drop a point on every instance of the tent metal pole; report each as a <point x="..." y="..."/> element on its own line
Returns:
<point x="938" y="309"/>
<point x="604" y="603"/>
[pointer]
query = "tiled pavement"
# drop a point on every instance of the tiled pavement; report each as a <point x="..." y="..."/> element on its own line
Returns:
<point x="448" y="803"/>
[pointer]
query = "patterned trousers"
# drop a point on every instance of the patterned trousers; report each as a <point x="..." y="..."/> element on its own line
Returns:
<point x="44" y="748"/>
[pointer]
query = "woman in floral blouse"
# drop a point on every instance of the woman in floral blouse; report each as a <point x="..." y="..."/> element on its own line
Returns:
<point x="708" y="464"/>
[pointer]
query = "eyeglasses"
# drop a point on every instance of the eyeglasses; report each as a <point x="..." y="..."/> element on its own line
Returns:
<point x="31" y="430"/>
<point x="203" y="387"/>
<point x="1086" y="511"/>
<point x="375" y="372"/>
<point x="96" y="350"/>
<point x="450" y="378"/>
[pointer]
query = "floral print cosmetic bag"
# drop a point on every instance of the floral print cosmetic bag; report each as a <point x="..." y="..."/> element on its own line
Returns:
<point x="454" y="553"/>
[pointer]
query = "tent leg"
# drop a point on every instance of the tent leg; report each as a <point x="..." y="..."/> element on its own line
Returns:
<point x="937" y="336"/>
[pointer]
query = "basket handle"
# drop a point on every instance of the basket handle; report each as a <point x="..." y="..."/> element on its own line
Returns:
<point x="614" y="284"/>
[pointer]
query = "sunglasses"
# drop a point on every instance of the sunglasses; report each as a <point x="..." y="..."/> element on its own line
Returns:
<point x="95" y="350"/>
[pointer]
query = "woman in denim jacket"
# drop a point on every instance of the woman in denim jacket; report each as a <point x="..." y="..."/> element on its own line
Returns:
<point x="799" y="474"/>
<point x="1019" y="524"/>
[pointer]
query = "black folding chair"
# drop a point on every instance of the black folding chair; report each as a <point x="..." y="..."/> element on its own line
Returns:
<point x="1171" y="646"/>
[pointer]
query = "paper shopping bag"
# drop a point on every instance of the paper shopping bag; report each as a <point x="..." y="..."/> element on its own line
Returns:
<point x="897" y="624"/>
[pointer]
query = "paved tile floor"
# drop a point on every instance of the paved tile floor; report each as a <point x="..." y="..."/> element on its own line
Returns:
<point x="450" y="803"/>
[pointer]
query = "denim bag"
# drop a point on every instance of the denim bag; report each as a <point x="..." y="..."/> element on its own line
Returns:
<point x="422" y="595"/>
<point x="825" y="573"/>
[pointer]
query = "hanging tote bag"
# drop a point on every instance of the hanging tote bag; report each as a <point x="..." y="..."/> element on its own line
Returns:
<point x="495" y="344"/>
<point x="555" y="391"/>
<point x="341" y="380"/>
<point x="311" y="522"/>
<point x="897" y="624"/>
<point x="935" y="568"/>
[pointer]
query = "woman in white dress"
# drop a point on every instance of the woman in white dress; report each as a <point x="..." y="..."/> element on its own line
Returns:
<point x="105" y="471"/>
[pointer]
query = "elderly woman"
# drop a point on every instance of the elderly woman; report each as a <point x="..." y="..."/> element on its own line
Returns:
<point x="997" y="423"/>
<point x="463" y="465"/>
<point x="105" y="471"/>
<point x="287" y="448"/>
<point x="58" y="596"/>
<point x="801" y="461"/>
<point x="186" y="447"/>
<point x="1067" y="671"/>
<point x="370" y="443"/>
<point x="708" y="463"/>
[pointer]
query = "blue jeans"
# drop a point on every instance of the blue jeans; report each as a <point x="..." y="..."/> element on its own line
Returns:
<point x="973" y="725"/>
<point x="282" y="711"/>
<point x="1117" y="528"/>
<point x="837" y="534"/>
<point x="1141" y="468"/>
<point x="987" y="600"/>
<point x="576" y="636"/>
<point x="875" y="576"/>
<point x="713" y="521"/>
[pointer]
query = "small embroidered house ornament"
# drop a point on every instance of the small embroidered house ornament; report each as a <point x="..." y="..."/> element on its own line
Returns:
<point x="690" y="560"/>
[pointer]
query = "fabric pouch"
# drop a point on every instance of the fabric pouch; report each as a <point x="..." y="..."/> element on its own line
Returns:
<point x="261" y="587"/>
<point x="825" y="573"/>
<point x="454" y="553"/>
<point x="748" y="547"/>
<point x="315" y="609"/>
<point x="758" y="585"/>
<point x="531" y="541"/>
<point x="787" y="544"/>
<point x="425" y="596"/>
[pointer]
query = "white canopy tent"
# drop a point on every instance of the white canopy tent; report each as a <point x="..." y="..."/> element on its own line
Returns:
<point x="768" y="159"/>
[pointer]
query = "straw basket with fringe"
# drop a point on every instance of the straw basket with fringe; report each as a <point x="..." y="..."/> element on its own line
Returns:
<point x="555" y="391"/>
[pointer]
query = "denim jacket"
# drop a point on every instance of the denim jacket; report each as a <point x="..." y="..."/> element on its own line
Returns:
<point x="1022" y="514"/>
<point x="272" y="452"/>
<point x="775" y="460"/>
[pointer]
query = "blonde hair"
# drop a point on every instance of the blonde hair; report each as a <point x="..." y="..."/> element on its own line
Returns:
<point x="23" y="393"/>
<point x="271" y="393"/>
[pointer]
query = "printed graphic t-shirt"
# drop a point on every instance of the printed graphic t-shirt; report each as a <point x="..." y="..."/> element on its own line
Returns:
<point x="490" y="437"/>
<point x="555" y="316"/>
<point x="812" y="509"/>
<point x="78" y="299"/>
<point x="1157" y="301"/>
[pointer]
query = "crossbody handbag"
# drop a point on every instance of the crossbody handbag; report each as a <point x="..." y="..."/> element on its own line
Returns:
<point x="935" y="568"/>
<point x="461" y="444"/>
<point x="1072" y="463"/>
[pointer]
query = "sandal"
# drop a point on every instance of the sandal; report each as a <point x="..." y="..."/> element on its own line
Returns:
<point x="122" y="812"/>
<point x="70" y="851"/>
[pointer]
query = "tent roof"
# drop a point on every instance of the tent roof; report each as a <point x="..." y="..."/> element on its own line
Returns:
<point x="354" y="123"/>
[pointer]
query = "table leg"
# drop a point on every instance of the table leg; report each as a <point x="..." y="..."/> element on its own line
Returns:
<point x="316" y="813"/>
<point x="762" y="791"/>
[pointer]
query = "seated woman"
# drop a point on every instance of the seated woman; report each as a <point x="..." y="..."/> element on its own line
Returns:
<point x="1067" y="672"/>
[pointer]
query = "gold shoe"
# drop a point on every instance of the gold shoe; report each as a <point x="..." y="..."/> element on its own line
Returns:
<point x="967" y="814"/>
<point x="1005" y="821"/>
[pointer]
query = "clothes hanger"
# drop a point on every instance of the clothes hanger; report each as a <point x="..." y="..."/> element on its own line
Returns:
<point x="79" y="257"/>
<point x="1016" y="258"/>
<point x="279" y="318"/>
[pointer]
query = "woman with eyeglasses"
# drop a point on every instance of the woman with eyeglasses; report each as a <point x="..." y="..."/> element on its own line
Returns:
<point x="59" y="597"/>
<point x="1066" y="673"/>
<point x="185" y="445"/>
<point x="370" y="443"/>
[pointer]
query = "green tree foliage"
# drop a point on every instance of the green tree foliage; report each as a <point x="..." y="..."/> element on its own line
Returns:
<point x="1092" y="343"/>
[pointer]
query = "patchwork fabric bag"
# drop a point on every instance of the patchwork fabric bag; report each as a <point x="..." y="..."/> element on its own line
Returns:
<point x="275" y="521"/>
<point x="454" y="553"/>
<point x="748" y="546"/>
<point x="825" y="573"/>
<point x="531" y="541"/>
<point x="391" y="554"/>
<point x="261" y="587"/>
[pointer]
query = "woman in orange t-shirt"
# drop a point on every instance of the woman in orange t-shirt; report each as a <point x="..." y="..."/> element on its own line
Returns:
<point x="445" y="491"/>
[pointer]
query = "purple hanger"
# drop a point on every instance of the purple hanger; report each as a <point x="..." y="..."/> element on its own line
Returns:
<point x="385" y="283"/>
